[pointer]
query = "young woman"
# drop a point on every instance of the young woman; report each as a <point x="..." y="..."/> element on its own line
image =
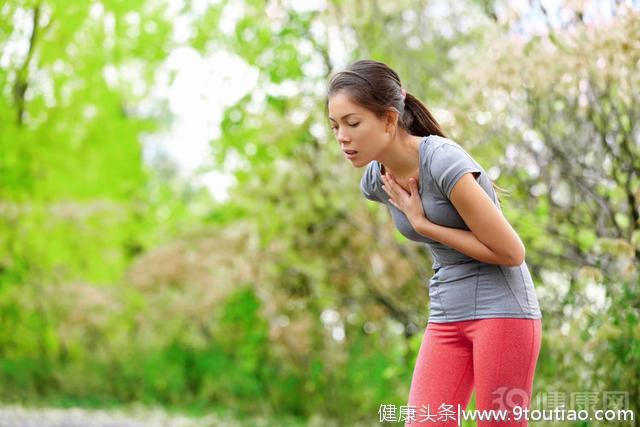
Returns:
<point x="484" y="326"/>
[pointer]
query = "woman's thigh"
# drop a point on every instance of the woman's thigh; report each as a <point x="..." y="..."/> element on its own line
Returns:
<point x="442" y="377"/>
<point x="505" y="354"/>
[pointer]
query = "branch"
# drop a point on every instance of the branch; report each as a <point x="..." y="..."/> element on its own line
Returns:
<point x="22" y="77"/>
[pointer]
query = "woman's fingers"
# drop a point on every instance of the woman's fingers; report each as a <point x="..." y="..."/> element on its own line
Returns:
<point x="391" y="183"/>
<point x="414" y="186"/>
<point x="388" y="185"/>
<point x="387" y="190"/>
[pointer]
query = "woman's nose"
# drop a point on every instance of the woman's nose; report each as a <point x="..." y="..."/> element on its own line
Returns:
<point x="341" y="135"/>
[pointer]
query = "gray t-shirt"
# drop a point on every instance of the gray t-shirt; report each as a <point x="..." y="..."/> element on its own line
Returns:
<point x="461" y="288"/>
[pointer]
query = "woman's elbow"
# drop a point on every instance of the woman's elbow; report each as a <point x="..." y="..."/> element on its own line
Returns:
<point x="516" y="257"/>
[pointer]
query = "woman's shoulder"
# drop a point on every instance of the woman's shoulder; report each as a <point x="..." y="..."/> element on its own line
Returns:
<point x="369" y="182"/>
<point x="443" y="147"/>
<point x="446" y="161"/>
<point x="441" y="143"/>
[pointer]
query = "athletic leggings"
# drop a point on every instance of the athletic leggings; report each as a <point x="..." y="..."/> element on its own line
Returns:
<point x="497" y="355"/>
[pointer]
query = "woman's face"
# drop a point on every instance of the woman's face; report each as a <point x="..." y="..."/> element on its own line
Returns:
<point x="356" y="129"/>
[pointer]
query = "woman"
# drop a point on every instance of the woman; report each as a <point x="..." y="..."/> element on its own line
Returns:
<point x="484" y="326"/>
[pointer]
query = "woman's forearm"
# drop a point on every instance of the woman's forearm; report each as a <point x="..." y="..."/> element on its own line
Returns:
<point x="463" y="241"/>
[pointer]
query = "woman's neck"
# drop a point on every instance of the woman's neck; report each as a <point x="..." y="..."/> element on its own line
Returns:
<point x="402" y="157"/>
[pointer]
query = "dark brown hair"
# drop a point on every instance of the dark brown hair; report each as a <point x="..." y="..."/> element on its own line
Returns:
<point x="376" y="87"/>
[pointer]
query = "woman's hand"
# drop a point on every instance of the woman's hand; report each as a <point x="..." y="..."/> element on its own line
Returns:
<point x="409" y="203"/>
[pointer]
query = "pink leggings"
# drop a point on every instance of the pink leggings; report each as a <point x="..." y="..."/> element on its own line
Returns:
<point x="497" y="355"/>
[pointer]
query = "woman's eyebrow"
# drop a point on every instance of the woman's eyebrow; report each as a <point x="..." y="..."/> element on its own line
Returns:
<point x="343" y="117"/>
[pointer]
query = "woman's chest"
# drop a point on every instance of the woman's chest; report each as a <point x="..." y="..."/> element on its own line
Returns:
<point x="437" y="209"/>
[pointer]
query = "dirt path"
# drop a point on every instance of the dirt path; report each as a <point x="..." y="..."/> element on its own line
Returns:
<point x="19" y="416"/>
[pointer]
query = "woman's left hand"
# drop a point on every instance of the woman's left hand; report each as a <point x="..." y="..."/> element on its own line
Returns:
<point x="409" y="203"/>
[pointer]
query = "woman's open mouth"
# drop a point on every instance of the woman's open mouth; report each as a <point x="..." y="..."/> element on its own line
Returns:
<point x="350" y="154"/>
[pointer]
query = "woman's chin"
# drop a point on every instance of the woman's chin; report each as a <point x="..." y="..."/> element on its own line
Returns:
<point x="357" y="162"/>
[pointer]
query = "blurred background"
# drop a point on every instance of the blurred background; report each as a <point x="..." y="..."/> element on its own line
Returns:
<point x="180" y="230"/>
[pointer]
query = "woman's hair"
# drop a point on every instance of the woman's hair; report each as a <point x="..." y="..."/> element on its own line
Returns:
<point x="377" y="88"/>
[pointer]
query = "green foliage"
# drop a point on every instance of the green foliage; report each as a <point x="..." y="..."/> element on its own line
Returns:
<point x="294" y="297"/>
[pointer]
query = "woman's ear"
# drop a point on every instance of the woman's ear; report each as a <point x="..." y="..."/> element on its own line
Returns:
<point x="391" y="120"/>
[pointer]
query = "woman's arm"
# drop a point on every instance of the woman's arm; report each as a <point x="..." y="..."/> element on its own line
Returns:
<point x="491" y="239"/>
<point x="463" y="241"/>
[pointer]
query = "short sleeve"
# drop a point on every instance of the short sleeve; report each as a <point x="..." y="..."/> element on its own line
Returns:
<point x="449" y="163"/>
<point x="368" y="184"/>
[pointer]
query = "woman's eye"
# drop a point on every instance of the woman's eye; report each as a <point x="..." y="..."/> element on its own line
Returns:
<point x="354" y="125"/>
